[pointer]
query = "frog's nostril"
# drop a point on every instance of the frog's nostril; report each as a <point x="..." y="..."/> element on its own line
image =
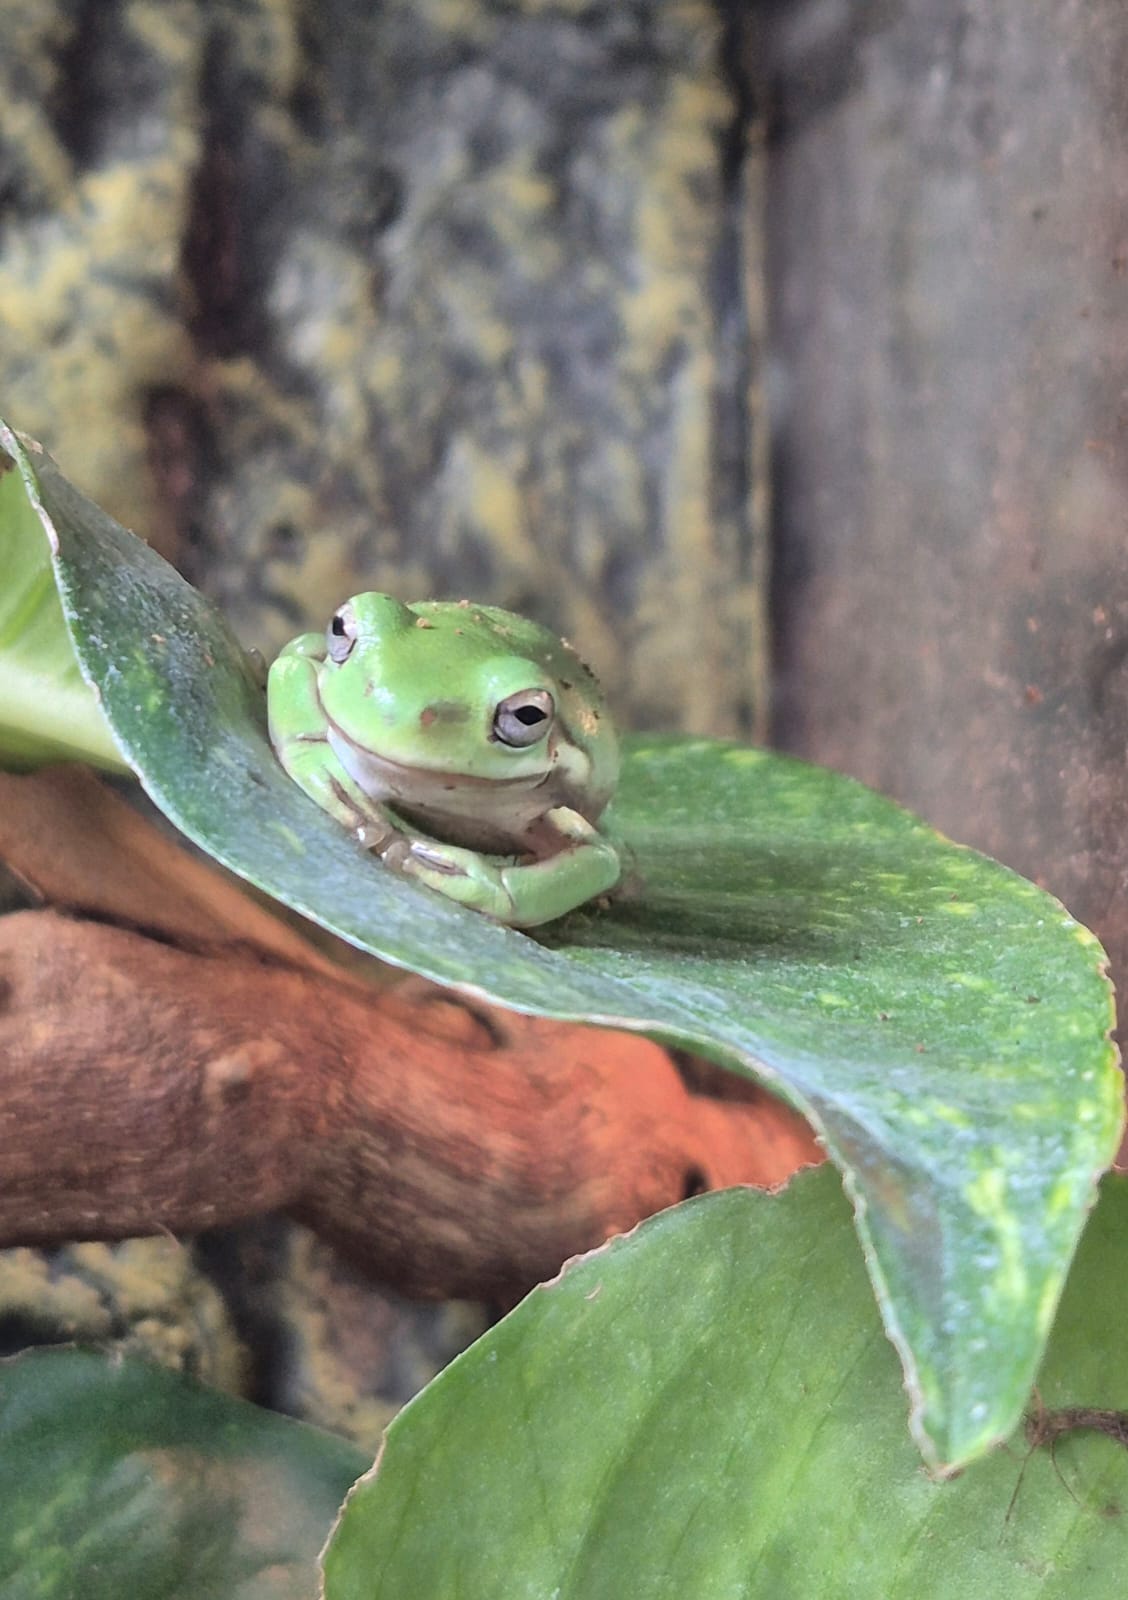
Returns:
<point x="443" y="711"/>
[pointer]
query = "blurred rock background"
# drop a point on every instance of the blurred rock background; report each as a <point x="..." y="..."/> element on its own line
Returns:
<point x="441" y="296"/>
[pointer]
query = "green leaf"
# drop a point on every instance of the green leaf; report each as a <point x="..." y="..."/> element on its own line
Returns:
<point x="48" y="712"/>
<point x="707" y="1408"/>
<point x="117" y="1478"/>
<point x="941" y="1021"/>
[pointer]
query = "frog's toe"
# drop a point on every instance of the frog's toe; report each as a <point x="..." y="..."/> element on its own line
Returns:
<point x="378" y="834"/>
<point x="462" y="877"/>
<point x="436" y="861"/>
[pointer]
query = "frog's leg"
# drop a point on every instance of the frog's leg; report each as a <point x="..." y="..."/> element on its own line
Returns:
<point x="575" y="863"/>
<point x="297" y="732"/>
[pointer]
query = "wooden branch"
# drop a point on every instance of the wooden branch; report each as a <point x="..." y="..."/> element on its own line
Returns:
<point x="148" y="1085"/>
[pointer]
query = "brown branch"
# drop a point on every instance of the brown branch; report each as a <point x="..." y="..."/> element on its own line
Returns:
<point x="148" y="1085"/>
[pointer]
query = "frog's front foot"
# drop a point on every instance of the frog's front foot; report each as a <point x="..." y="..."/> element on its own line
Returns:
<point x="524" y="893"/>
<point x="464" y="875"/>
<point x="378" y="834"/>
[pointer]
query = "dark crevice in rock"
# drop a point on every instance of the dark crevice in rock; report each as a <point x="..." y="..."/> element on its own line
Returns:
<point x="239" y="214"/>
<point x="735" y="459"/>
<point x="109" y="98"/>
<point x="81" y="101"/>
<point x="184" y="461"/>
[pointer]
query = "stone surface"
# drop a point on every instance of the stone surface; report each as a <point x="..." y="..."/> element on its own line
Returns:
<point x="439" y="296"/>
<point x="325" y="1344"/>
<point x="146" y="1298"/>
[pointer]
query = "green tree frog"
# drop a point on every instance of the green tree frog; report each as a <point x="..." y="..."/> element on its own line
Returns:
<point x="466" y="746"/>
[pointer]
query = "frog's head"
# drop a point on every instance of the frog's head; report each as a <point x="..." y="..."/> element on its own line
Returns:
<point x="457" y="691"/>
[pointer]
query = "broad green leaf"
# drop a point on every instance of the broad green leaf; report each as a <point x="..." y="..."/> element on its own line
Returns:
<point x="48" y="712"/>
<point x="941" y="1021"/>
<point x="121" y="1479"/>
<point x="707" y="1408"/>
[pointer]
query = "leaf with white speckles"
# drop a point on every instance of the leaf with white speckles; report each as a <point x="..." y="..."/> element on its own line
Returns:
<point x="119" y="1478"/>
<point x="661" y="1423"/>
<point x="941" y="1021"/>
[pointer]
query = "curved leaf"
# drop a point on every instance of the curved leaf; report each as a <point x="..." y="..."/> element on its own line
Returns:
<point x="48" y="712"/>
<point x="942" y="1022"/>
<point x="117" y="1478"/>
<point x="680" y="1414"/>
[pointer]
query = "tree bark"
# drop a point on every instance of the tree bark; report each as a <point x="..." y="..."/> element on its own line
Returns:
<point x="172" y="1058"/>
<point x="950" y="313"/>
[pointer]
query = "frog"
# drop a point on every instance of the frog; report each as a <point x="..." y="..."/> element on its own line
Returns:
<point x="466" y="747"/>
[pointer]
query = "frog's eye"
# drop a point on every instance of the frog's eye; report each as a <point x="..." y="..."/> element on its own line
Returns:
<point x="523" y="718"/>
<point x="340" y="636"/>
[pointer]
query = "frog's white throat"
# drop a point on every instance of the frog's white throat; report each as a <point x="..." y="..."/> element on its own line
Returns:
<point x="490" y="814"/>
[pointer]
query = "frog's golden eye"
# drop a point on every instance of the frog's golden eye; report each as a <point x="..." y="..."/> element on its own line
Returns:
<point x="523" y="718"/>
<point x="340" y="636"/>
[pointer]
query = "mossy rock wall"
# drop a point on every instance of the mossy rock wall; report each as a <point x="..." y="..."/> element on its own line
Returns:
<point x="441" y="296"/>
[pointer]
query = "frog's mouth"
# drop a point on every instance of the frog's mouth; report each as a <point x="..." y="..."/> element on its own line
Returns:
<point x="381" y="777"/>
